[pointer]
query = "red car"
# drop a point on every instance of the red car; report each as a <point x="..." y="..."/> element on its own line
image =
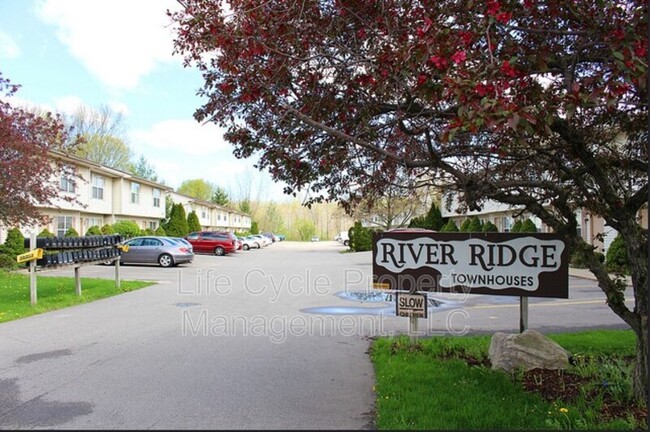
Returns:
<point x="216" y="242"/>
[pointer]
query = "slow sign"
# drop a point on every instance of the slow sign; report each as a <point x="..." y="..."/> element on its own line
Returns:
<point x="411" y="305"/>
<point x="529" y="265"/>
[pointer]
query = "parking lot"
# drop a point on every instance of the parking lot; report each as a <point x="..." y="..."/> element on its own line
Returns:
<point x="275" y="338"/>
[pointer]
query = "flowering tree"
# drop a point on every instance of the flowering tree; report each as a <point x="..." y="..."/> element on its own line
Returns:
<point x="539" y="104"/>
<point x="25" y="164"/>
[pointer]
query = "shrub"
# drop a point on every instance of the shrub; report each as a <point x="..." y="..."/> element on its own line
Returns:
<point x="255" y="229"/>
<point x="475" y="225"/>
<point x="528" y="226"/>
<point x="516" y="227"/>
<point x="107" y="229"/>
<point x="616" y="259"/>
<point x="94" y="230"/>
<point x="147" y="231"/>
<point x="489" y="227"/>
<point x="45" y="233"/>
<point x="464" y="227"/>
<point x="450" y="226"/>
<point x="15" y="242"/>
<point x="360" y="238"/>
<point x="177" y="225"/>
<point x="71" y="232"/>
<point x="126" y="228"/>
<point x="193" y="223"/>
<point x="160" y="231"/>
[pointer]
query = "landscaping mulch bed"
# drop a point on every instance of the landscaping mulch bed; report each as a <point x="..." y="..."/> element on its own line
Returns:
<point x="558" y="385"/>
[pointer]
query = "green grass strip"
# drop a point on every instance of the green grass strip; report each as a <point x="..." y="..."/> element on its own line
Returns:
<point x="54" y="293"/>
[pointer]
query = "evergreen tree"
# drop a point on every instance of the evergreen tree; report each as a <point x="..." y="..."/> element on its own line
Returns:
<point x="177" y="226"/>
<point x="160" y="231"/>
<point x="450" y="226"/>
<point x="528" y="226"/>
<point x="15" y="242"/>
<point x="616" y="261"/>
<point x="71" y="232"/>
<point x="475" y="225"/>
<point x="255" y="229"/>
<point x="465" y="226"/>
<point x="93" y="230"/>
<point x="45" y="233"/>
<point x="193" y="223"/>
<point x="516" y="227"/>
<point x="127" y="228"/>
<point x="107" y="229"/>
<point x="490" y="227"/>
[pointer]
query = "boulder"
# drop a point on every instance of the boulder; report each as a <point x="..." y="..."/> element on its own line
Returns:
<point x="527" y="350"/>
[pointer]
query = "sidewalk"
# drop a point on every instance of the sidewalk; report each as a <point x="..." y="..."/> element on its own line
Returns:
<point x="586" y="274"/>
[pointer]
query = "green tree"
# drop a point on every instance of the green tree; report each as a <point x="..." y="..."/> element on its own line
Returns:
<point x="177" y="226"/>
<point x="616" y="257"/>
<point x="475" y="225"/>
<point x="360" y="238"/>
<point x="490" y="227"/>
<point x="245" y="206"/>
<point x="126" y="228"/>
<point x="528" y="226"/>
<point x="517" y="226"/>
<point x="197" y="188"/>
<point x="160" y="231"/>
<point x="450" y="226"/>
<point x="220" y="196"/>
<point x="15" y="242"/>
<point x="143" y="169"/>
<point x="306" y="229"/>
<point x="193" y="223"/>
<point x="254" y="228"/>
<point x="433" y="220"/>
<point x="466" y="225"/>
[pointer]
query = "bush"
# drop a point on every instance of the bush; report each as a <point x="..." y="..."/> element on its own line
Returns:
<point x="255" y="229"/>
<point x="516" y="227"/>
<point x="126" y="228"/>
<point x="528" y="226"/>
<point x="15" y="242"/>
<point x="107" y="229"/>
<point x="160" y="231"/>
<point x="360" y="238"/>
<point x="71" y="232"/>
<point x="465" y="226"/>
<point x="94" y="230"/>
<point x="475" y="225"/>
<point x="177" y="225"/>
<point x="490" y="227"/>
<point x="193" y="223"/>
<point x="616" y="259"/>
<point x="450" y="226"/>
<point x="147" y="232"/>
<point x="45" y="233"/>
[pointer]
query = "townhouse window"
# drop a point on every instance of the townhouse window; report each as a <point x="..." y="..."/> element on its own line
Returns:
<point x="152" y="226"/>
<point x="203" y="214"/>
<point x="135" y="193"/>
<point x="97" y="182"/>
<point x="91" y="221"/>
<point x="63" y="224"/>
<point x="66" y="184"/>
<point x="156" y="197"/>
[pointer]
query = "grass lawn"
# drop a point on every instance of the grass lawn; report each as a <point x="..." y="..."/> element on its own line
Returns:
<point x="53" y="293"/>
<point x="446" y="383"/>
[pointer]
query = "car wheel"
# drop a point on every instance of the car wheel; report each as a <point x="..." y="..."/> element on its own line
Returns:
<point x="346" y="243"/>
<point x="246" y="247"/>
<point x="219" y="251"/>
<point x="258" y="245"/>
<point x="165" y="260"/>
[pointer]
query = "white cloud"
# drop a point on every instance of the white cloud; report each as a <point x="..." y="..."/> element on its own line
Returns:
<point x="119" y="41"/>
<point x="68" y="104"/>
<point x="8" y="48"/>
<point x="185" y="136"/>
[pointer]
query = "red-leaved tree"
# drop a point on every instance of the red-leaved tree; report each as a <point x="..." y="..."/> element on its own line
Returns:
<point x="540" y="104"/>
<point x="26" y="167"/>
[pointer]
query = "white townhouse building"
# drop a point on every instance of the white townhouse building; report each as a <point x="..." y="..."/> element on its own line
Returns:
<point x="106" y="195"/>
<point x="591" y="228"/>
<point x="213" y="217"/>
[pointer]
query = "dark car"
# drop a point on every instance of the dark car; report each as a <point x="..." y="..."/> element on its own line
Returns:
<point x="164" y="251"/>
<point x="216" y="242"/>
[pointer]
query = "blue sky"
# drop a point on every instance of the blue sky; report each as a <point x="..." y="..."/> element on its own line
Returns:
<point x="66" y="53"/>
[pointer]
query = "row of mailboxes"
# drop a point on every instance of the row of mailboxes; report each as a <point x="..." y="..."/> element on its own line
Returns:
<point x="78" y="256"/>
<point x="76" y="242"/>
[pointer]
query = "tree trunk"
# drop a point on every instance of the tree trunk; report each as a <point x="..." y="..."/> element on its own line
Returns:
<point x="640" y="375"/>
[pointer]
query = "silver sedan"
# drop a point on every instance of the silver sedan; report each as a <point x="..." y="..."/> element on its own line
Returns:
<point x="164" y="251"/>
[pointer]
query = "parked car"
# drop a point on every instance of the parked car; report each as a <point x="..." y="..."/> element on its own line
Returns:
<point x="248" y="243"/>
<point x="255" y="242"/>
<point x="315" y="239"/>
<point x="183" y="241"/>
<point x="270" y="236"/>
<point x="263" y="239"/>
<point x="281" y="237"/>
<point x="216" y="242"/>
<point x="164" y="251"/>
